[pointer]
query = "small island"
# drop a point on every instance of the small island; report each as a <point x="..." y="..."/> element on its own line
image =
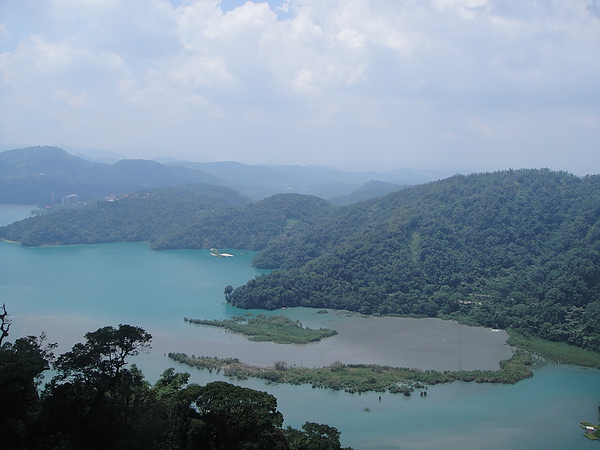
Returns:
<point x="263" y="328"/>
<point x="357" y="378"/>
<point x="592" y="431"/>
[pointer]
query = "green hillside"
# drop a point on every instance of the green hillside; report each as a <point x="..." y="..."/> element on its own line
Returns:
<point x="251" y="227"/>
<point x="143" y="216"/>
<point x="516" y="249"/>
<point x="190" y="216"/>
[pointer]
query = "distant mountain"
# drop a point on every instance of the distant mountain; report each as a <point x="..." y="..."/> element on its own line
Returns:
<point x="327" y="175"/>
<point x="41" y="175"/>
<point x="96" y="155"/>
<point x="49" y="163"/>
<point x="369" y="190"/>
<point x="260" y="181"/>
<point x="253" y="181"/>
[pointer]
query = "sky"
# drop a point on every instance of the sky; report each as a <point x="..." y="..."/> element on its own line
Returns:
<point x="471" y="85"/>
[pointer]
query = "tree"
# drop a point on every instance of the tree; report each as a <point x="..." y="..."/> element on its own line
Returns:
<point x="182" y="419"/>
<point x="315" y="436"/>
<point x="94" y="399"/>
<point x="102" y="358"/>
<point x="21" y="366"/>
<point x="4" y="323"/>
<point x="170" y="383"/>
<point x="241" y="418"/>
<point x="336" y="366"/>
<point x="281" y="365"/>
<point x="228" y="290"/>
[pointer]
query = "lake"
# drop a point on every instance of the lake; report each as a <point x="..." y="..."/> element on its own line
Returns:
<point x="67" y="291"/>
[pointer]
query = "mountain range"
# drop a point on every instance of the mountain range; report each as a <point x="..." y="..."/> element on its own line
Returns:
<point x="43" y="175"/>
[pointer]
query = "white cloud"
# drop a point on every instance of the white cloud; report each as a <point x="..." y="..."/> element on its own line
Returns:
<point x="200" y="70"/>
<point x="355" y="75"/>
<point x="75" y="101"/>
<point x="35" y="56"/>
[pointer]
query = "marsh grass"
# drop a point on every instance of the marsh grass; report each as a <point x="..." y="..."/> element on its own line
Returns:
<point x="555" y="352"/>
<point x="356" y="378"/>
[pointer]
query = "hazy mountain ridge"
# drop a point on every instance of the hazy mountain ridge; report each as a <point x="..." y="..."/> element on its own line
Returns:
<point x="40" y="174"/>
<point x="43" y="175"/>
<point x="371" y="189"/>
<point x="259" y="181"/>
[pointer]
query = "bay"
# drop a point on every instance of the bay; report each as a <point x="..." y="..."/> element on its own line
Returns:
<point x="67" y="291"/>
<point x="13" y="213"/>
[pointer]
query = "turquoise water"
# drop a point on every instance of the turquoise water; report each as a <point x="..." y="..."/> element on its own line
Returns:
<point x="67" y="291"/>
<point x="14" y="213"/>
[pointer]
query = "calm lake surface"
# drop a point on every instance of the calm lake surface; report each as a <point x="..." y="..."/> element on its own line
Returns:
<point x="67" y="291"/>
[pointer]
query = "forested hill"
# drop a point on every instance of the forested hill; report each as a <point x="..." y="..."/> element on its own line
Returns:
<point x="514" y="249"/>
<point x="190" y="216"/>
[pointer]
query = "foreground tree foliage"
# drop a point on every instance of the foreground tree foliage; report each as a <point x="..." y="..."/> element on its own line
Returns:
<point x="94" y="397"/>
<point x="314" y="436"/>
<point x="21" y="366"/>
<point x="96" y="400"/>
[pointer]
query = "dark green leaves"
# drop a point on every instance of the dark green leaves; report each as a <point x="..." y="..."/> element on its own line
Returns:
<point x="104" y="353"/>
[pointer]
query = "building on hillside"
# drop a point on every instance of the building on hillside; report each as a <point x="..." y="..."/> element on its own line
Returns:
<point x="71" y="199"/>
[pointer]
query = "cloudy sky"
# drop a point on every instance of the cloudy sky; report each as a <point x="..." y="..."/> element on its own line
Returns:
<point x="354" y="84"/>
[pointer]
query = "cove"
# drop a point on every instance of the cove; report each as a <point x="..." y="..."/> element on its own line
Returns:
<point x="67" y="291"/>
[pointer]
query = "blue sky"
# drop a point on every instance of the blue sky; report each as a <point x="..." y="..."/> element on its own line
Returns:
<point x="471" y="85"/>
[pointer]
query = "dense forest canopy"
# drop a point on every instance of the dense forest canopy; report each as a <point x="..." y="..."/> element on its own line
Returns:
<point x="190" y="216"/>
<point x="515" y="249"/>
